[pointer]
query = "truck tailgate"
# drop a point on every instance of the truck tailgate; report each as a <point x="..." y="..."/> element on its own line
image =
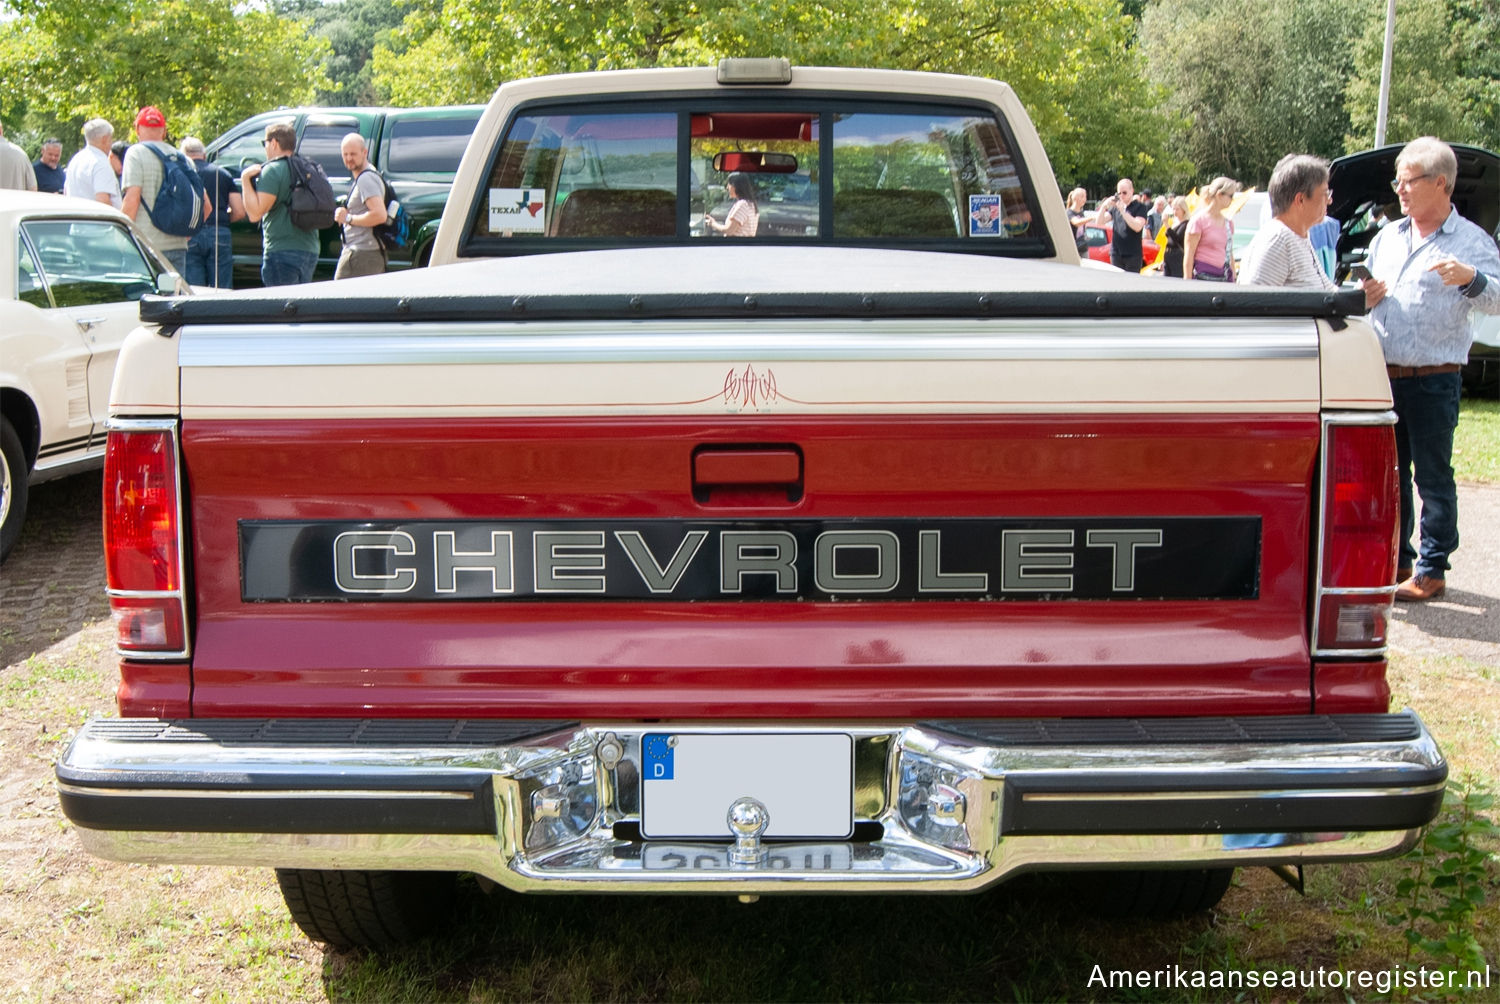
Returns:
<point x="774" y="519"/>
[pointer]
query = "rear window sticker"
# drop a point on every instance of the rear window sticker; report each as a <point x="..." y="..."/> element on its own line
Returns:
<point x="518" y="211"/>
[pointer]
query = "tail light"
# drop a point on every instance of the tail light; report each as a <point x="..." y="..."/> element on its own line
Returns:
<point x="1357" y="540"/>
<point x="143" y="538"/>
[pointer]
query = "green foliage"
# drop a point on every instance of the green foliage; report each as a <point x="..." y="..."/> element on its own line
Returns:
<point x="1445" y="77"/>
<point x="1447" y="885"/>
<point x="353" y="28"/>
<point x="1254" y="79"/>
<point x="1068" y="60"/>
<point x="205" y="63"/>
<point x="1476" y="441"/>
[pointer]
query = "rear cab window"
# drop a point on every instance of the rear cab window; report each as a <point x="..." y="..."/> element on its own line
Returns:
<point x="834" y="171"/>
<point x="426" y="147"/>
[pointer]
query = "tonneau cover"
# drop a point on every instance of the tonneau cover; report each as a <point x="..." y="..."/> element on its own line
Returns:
<point x="747" y="282"/>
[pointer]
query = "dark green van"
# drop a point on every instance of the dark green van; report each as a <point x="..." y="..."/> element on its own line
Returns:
<point x="417" y="149"/>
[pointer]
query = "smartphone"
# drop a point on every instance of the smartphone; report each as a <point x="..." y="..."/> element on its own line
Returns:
<point x="1358" y="273"/>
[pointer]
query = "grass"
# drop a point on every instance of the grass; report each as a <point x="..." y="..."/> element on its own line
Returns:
<point x="1476" y="443"/>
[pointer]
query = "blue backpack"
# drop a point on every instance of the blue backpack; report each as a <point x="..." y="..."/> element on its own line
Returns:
<point x="179" y="202"/>
<point x="395" y="232"/>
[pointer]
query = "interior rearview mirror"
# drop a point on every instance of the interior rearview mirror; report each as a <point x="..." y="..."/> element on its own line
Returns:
<point x="755" y="162"/>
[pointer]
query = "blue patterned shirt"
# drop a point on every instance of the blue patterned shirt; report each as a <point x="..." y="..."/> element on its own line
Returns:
<point x="1421" y="322"/>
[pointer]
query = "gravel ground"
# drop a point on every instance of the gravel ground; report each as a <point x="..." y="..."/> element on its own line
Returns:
<point x="1466" y="619"/>
<point x="52" y="585"/>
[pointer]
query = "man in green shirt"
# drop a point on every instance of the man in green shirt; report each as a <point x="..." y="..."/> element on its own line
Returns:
<point x="289" y="253"/>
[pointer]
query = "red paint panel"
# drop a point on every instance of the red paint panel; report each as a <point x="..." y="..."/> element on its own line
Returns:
<point x="867" y="659"/>
<point x="1351" y="688"/>
<point x="154" y="690"/>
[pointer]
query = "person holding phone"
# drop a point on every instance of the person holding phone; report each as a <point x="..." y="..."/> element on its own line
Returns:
<point x="1430" y="270"/>
<point x="1126" y="219"/>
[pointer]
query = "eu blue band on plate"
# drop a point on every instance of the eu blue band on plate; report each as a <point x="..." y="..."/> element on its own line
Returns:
<point x="656" y="756"/>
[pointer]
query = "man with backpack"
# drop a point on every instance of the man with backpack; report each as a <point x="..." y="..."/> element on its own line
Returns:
<point x="290" y="253"/>
<point x="362" y="212"/>
<point x="158" y="177"/>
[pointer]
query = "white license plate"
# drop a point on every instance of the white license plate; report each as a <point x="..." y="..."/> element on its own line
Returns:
<point x="689" y="781"/>
<point x="779" y="858"/>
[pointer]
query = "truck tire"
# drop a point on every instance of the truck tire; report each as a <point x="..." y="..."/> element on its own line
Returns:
<point x="13" y="487"/>
<point x="1154" y="894"/>
<point x="367" y="909"/>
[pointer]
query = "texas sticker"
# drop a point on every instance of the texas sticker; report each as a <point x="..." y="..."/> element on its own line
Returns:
<point x="518" y="210"/>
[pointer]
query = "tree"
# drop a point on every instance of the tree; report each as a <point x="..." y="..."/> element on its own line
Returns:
<point x="206" y="63"/>
<point x="1254" y="79"/>
<point x="1445" y="75"/>
<point x="1068" y="60"/>
<point x="352" y="28"/>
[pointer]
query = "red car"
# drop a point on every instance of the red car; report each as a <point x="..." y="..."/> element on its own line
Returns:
<point x="1098" y="243"/>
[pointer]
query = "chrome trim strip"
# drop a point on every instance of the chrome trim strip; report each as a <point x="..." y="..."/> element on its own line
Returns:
<point x="1320" y="591"/>
<point x="313" y="794"/>
<point x="1361" y="591"/>
<point x="52" y="468"/>
<point x="468" y="343"/>
<point x="602" y="763"/>
<point x="118" y="424"/>
<point x="874" y="869"/>
<point x="1201" y="796"/>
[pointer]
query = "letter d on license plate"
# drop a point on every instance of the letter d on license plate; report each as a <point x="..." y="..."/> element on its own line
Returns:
<point x="689" y="781"/>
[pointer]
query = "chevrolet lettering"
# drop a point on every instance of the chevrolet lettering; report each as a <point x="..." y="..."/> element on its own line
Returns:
<point x="872" y="546"/>
<point x="796" y="559"/>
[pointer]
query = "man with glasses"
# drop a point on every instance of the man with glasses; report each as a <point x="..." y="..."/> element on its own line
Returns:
<point x="1280" y="253"/>
<point x="1126" y="220"/>
<point x="289" y="253"/>
<point x="1428" y="270"/>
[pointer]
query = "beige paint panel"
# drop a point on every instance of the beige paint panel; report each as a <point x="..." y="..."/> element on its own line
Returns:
<point x="1353" y="366"/>
<point x="760" y="387"/>
<point x="146" y="376"/>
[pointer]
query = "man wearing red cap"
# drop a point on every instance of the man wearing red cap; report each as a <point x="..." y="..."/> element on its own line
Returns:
<point x="141" y="179"/>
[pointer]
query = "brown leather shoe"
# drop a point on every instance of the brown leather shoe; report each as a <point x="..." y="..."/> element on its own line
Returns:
<point x="1420" y="588"/>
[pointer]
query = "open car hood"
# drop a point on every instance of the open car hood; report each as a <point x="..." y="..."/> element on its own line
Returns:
<point x="1362" y="182"/>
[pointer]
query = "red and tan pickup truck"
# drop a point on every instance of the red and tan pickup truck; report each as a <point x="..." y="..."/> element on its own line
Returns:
<point x="880" y="547"/>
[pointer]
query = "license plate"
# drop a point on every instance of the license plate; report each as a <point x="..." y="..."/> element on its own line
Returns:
<point x="689" y="781"/>
<point x="779" y="858"/>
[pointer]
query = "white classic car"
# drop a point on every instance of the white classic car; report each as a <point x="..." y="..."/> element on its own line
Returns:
<point x="71" y="274"/>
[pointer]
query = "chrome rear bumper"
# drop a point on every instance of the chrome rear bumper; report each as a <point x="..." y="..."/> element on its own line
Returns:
<point x="937" y="806"/>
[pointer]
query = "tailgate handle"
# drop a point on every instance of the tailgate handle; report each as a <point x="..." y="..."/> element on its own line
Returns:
<point x="748" y="475"/>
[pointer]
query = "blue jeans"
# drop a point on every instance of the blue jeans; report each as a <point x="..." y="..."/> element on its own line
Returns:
<point x="286" y="268"/>
<point x="1426" y="415"/>
<point x="210" y="258"/>
<point x="178" y="259"/>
